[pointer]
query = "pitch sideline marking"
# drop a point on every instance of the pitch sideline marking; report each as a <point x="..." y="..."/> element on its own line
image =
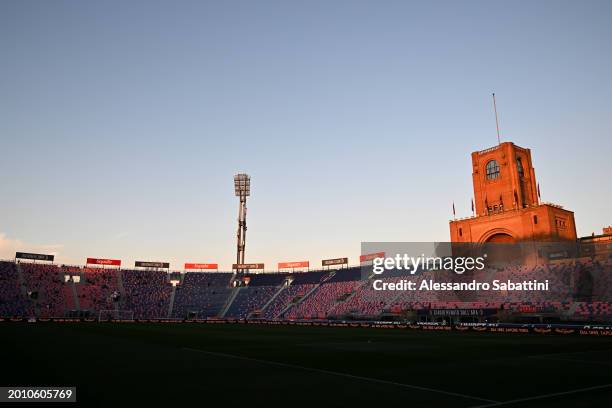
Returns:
<point x="543" y="396"/>
<point x="339" y="374"/>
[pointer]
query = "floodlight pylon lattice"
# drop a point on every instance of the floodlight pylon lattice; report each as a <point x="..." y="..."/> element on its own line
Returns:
<point x="242" y="189"/>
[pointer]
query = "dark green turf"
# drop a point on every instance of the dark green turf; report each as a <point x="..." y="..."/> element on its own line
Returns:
<point x="181" y="364"/>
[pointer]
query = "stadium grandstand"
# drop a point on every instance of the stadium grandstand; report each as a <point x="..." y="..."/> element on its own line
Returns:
<point x="580" y="292"/>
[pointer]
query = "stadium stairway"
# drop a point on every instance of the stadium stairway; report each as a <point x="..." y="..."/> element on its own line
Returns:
<point x="121" y="290"/>
<point x="229" y="302"/>
<point x="77" y="302"/>
<point x="171" y="302"/>
<point x="24" y="290"/>
<point x="357" y="289"/>
<point x="290" y="305"/>
<point x="278" y="292"/>
<point x="572" y="310"/>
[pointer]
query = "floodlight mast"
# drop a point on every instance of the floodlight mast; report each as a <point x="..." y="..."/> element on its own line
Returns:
<point x="242" y="189"/>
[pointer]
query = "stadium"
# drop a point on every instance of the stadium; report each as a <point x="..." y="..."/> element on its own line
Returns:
<point x="337" y="325"/>
<point x="127" y="123"/>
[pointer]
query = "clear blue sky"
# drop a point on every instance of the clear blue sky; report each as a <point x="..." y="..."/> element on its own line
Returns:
<point x="123" y="122"/>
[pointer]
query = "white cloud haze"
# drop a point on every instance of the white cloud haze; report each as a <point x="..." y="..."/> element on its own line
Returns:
<point x="8" y="247"/>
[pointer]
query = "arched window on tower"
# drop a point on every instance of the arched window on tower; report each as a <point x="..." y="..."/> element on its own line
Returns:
<point x="519" y="166"/>
<point x="492" y="170"/>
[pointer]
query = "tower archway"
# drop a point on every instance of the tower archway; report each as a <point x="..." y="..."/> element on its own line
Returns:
<point x="501" y="247"/>
<point x="500" y="238"/>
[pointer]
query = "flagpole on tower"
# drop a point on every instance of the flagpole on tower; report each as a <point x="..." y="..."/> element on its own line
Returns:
<point x="496" y="119"/>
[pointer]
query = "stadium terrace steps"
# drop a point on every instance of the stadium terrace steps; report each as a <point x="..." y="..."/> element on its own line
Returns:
<point x="250" y="300"/>
<point x="121" y="288"/>
<point x="229" y="302"/>
<point x="171" y="304"/>
<point x="291" y="305"/>
<point x="77" y="304"/>
<point x="285" y="298"/>
<point x="317" y="305"/>
<point x="24" y="290"/>
<point x="269" y="302"/>
<point x="573" y="309"/>
<point x="348" y="298"/>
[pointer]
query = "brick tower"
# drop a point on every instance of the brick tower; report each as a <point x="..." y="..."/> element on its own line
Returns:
<point x="507" y="206"/>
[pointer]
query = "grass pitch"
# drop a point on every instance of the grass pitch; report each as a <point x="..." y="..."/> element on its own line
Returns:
<point x="179" y="365"/>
